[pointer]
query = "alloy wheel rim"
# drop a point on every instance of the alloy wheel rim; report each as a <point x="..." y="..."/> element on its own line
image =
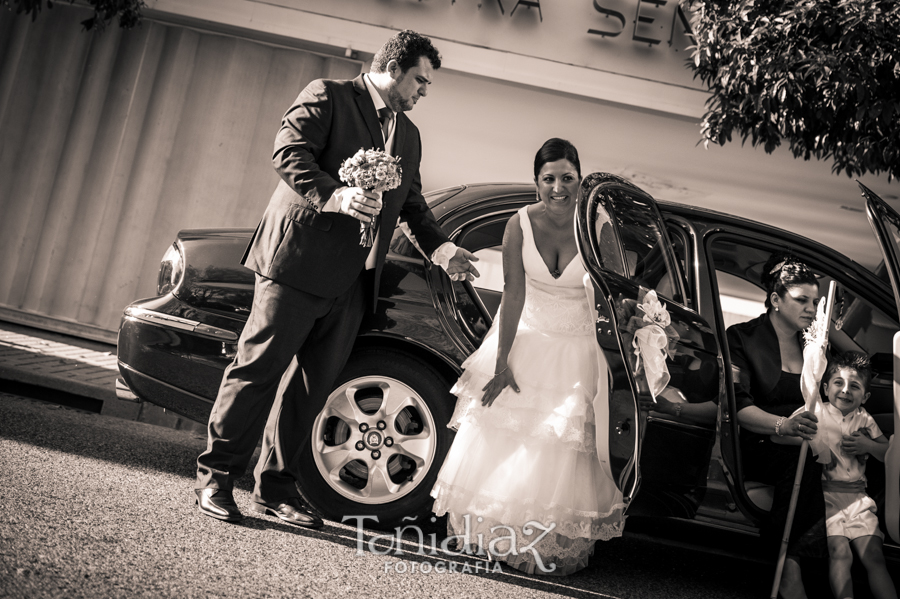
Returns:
<point x="375" y="440"/>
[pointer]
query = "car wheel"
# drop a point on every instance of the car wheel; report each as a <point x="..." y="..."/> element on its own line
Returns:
<point x="377" y="445"/>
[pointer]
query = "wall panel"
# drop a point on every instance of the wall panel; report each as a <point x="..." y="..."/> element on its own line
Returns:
<point x="110" y="143"/>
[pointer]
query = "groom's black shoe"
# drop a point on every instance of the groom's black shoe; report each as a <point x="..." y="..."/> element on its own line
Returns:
<point x="290" y="510"/>
<point x="218" y="503"/>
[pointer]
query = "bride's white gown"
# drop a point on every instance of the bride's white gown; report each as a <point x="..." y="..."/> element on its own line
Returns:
<point x="532" y="456"/>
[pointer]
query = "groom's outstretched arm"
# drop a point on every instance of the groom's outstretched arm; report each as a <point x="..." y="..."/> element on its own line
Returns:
<point x="427" y="233"/>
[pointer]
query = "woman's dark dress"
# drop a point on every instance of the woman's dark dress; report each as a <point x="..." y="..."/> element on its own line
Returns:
<point x="756" y="358"/>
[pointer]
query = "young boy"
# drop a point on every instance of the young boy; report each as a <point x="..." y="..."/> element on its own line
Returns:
<point x="849" y="512"/>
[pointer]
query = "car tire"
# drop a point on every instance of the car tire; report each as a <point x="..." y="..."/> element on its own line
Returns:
<point x="379" y="442"/>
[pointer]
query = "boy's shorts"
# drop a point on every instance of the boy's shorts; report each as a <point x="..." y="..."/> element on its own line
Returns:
<point x="851" y="515"/>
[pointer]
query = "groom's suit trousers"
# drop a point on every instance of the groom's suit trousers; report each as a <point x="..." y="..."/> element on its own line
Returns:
<point x="303" y="337"/>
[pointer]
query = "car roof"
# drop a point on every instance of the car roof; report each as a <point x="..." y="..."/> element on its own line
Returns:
<point x="452" y="199"/>
<point x="445" y="203"/>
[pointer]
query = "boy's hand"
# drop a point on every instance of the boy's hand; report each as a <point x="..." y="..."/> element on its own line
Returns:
<point x="856" y="444"/>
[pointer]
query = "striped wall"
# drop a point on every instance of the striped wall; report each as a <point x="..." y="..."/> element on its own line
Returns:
<point x="110" y="143"/>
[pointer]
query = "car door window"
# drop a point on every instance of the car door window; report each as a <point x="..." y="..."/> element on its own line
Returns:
<point x="740" y="300"/>
<point x="738" y="271"/>
<point x="858" y="325"/>
<point x="636" y="248"/>
<point x="477" y="302"/>
<point x="680" y="238"/>
<point x="490" y="270"/>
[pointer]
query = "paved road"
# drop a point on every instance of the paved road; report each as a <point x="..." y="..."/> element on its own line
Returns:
<point x="96" y="506"/>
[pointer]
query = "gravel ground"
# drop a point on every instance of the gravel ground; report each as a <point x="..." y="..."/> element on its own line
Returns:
<point x="95" y="506"/>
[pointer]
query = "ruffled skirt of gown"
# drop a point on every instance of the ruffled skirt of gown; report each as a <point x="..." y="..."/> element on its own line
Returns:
<point x="531" y="457"/>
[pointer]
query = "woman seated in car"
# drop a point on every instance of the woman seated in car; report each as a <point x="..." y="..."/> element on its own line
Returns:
<point x="767" y="359"/>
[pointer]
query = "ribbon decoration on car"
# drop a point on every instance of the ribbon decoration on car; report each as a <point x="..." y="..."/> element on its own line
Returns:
<point x="651" y="342"/>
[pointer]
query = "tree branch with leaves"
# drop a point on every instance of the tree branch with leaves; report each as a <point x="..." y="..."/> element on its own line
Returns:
<point x="822" y="75"/>
<point x="128" y="12"/>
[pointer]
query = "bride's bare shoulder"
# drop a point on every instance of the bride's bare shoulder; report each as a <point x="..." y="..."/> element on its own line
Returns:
<point x="513" y="231"/>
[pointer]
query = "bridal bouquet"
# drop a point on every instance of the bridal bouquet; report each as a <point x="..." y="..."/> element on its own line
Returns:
<point x="649" y="325"/>
<point x="372" y="170"/>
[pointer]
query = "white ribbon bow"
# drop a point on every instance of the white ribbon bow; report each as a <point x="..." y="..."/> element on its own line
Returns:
<point x="651" y="343"/>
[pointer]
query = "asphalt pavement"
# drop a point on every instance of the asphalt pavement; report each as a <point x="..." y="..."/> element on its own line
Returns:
<point x="98" y="506"/>
<point x="96" y="500"/>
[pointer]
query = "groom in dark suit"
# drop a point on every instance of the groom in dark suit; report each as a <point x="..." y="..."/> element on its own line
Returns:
<point x="314" y="280"/>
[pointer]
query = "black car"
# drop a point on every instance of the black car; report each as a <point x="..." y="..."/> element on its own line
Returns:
<point x="704" y="265"/>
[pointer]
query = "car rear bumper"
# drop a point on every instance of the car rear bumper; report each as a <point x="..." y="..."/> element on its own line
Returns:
<point x="177" y="400"/>
<point x="173" y="355"/>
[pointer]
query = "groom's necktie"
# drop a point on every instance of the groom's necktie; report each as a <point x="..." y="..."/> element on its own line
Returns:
<point x="385" y="116"/>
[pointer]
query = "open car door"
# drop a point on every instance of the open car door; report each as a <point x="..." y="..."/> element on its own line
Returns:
<point x="886" y="224"/>
<point x="629" y="258"/>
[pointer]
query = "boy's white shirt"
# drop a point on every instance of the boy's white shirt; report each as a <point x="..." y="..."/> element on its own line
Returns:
<point x="849" y="469"/>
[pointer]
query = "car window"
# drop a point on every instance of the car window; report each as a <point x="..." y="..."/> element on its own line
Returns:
<point x="863" y="327"/>
<point x="490" y="269"/>
<point x="738" y="269"/>
<point x="477" y="302"/>
<point x="740" y="300"/>
<point x="635" y="248"/>
<point x="680" y="244"/>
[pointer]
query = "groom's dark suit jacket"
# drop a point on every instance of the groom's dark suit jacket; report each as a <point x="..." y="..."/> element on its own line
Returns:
<point x="299" y="245"/>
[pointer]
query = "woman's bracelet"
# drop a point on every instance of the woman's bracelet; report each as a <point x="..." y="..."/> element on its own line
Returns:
<point x="502" y="371"/>
<point x="778" y="424"/>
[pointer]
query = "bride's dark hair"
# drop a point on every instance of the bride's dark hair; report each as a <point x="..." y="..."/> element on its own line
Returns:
<point x="556" y="149"/>
<point x="782" y="271"/>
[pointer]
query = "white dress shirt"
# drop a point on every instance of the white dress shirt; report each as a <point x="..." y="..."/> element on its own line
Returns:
<point x="848" y="468"/>
<point x="447" y="250"/>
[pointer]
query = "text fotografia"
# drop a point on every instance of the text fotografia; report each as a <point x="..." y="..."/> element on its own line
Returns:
<point x="499" y="548"/>
<point x="442" y="567"/>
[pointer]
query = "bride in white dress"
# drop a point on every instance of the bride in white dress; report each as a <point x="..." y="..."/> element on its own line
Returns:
<point x="522" y="482"/>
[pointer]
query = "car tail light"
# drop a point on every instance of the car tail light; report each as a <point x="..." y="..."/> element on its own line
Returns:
<point x="171" y="269"/>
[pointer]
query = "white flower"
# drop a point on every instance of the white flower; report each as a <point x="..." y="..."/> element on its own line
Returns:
<point x="654" y="311"/>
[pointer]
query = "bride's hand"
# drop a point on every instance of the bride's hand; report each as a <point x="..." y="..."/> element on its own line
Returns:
<point x="498" y="384"/>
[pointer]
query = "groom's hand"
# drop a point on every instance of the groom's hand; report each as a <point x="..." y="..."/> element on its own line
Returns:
<point x="461" y="268"/>
<point x="359" y="203"/>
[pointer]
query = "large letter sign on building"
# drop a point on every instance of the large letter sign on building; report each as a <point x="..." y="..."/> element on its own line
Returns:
<point x="643" y="20"/>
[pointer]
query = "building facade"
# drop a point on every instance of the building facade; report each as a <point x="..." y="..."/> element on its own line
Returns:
<point x="110" y="143"/>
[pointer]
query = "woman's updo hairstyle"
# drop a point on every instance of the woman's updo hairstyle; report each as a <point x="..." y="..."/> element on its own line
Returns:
<point x="556" y="149"/>
<point x="783" y="271"/>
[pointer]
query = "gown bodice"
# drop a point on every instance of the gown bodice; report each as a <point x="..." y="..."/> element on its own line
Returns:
<point x="552" y="305"/>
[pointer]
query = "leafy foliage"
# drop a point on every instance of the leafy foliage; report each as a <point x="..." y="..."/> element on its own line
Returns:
<point x="128" y="11"/>
<point x="822" y="74"/>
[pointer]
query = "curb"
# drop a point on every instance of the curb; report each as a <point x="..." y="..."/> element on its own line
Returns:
<point x="77" y="366"/>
